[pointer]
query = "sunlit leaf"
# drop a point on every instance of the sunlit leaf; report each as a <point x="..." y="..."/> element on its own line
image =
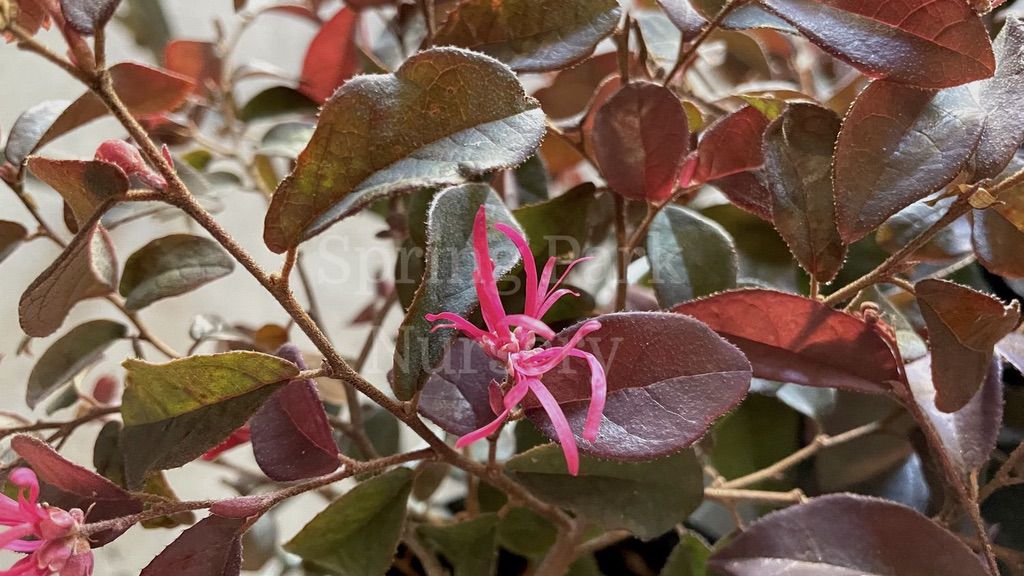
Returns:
<point x="749" y="15"/>
<point x="789" y="338"/>
<point x="81" y="347"/>
<point x="963" y="327"/>
<point x="898" y="145"/>
<point x="447" y="284"/>
<point x="640" y="137"/>
<point x="646" y="498"/>
<point x="684" y="16"/>
<point x="170" y="266"/>
<point x="86" y="269"/>
<point x="690" y="255"/>
<point x="531" y="35"/>
<point x="999" y="96"/>
<point x="843" y="534"/>
<point x="358" y="533"/>
<point x="731" y="145"/>
<point x="927" y="43"/>
<point x="332" y="56"/>
<point x="445" y="115"/>
<point x="29" y="128"/>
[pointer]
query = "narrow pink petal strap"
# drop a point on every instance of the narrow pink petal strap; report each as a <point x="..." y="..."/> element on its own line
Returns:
<point x="552" y="298"/>
<point x="545" y="277"/>
<point x="483" y="432"/>
<point x="530" y="323"/>
<point x="25" y="546"/>
<point x="26" y="478"/>
<point x="562" y="429"/>
<point x="529" y="265"/>
<point x="15" y="533"/>
<point x="483" y="276"/>
<point x="568" y="269"/>
<point x="28" y="566"/>
<point x="546" y="361"/>
<point x="598" y="394"/>
<point x="457" y="322"/>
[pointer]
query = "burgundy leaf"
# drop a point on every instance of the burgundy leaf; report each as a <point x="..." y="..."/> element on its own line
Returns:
<point x="640" y="138"/>
<point x="455" y="396"/>
<point x="844" y="535"/>
<point x="1000" y="98"/>
<point x="927" y="43"/>
<point x="963" y="328"/>
<point x="731" y="145"/>
<point x="798" y="164"/>
<point x="69" y="485"/>
<point x="794" y="339"/>
<point x="747" y="191"/>
<point x="213" y="547"/>
<point x="291" y="437"/>
<point x="669" y="379"/>
<point x="332" y="56"/>
<point x="898" y="145"/>
<point x="85" y="185"/>
<point x="86" y="16"/>
<point x="969" y="434"/>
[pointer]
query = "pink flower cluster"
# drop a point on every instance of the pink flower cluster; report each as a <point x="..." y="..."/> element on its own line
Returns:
<point x="48" y="535"/>
<point x="512" y="339"/>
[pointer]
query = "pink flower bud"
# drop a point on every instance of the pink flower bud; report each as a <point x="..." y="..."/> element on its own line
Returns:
<point x="127" y="158"/>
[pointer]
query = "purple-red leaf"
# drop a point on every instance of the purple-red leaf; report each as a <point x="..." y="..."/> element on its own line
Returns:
<point x="84" y="184"/>
<point x="669" y="379"/>
<point x="747" y="191"/>
<point x="455" y="395"/>
<point x="640" y="137"/>
<point x="927" y="43"/>
<point x="86" y="269"/>
<point x="69" y="485"/>
<point x="969" y="434"/>
<point x="794" y="339"/>
<point x="196" y="60"/>
<point x="213" y="547"/>
<point x="846" y="535"/>
<point x="963" y="328"/>
<point x="798" y="167"/>
<point x="291" y="437"/>
<point x="332" y="56"/>
<point x="732" y="145"/>
<point x="898" y="145"/>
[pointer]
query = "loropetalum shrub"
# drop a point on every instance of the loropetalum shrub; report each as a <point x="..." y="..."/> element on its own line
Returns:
<point x="688" y="288"/>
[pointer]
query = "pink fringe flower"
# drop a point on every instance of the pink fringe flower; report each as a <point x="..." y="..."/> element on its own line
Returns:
<point x="50" y="536"/>
<point x="512" y="339"/>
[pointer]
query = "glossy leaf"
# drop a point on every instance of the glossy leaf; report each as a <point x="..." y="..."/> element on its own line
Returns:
<point x="969" y="434"/>
<point x="170" y="266"/>
<point x="469" y="546"/>
<point x="80" y="348"/>
<point x="291" y="437"/>
<point x="213" y="547"/>
<point x="332" y="56"/>
<point x="690" y="255"/>
<point x="997" y="243"/>
<point x="926" y="43"/>
<point x="69" y="485"/>
<point x="898" y="145"/>
<point x="85" y="185"/>
<point x="789" y="338"/>
<point x="661" y="399"/>
<point x="743" y="17"/>
<point x="646" y="498"/>
<point x="731" y="145"/>
<point x="358" y="533"/>
<point x="640" y="137"/>
<point x="531" y="36"/>
<point x="87" y="16"/>
<point x="447" y="284"/>
<point x="963" y="327"/>
<point x="841" y="535"/>
<point x="999" y="97"/>
<point x="12" y="235"/>
<point x="444" y="116"/>
<point x="798" y="168"/>
<point x="86" y="269"/>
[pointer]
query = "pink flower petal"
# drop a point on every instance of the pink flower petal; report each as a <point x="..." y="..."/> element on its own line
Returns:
<point x="15" y="533"/>
<point x="546" y="360"/>
<point x="562" y="429"/>
<point x="483" y="277"/>
<point x="598" y="394"/>
<point x="529" y="265"/>
<point x="530" y="323"/>
<point x="26" y="478"/>
<point x="514" y="397"/>
<point x="457" y="322"/>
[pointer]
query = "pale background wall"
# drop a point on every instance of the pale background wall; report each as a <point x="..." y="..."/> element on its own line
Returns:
<point x="342" y="262"/>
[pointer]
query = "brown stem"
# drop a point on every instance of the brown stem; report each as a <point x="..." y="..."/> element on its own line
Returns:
<point x="622" y="262"/>
<point x="94" y="414"/>
<point x="27" y="42"/>
<point x="794" y="496"/>
<point x="691" y="53"/>
<point x="1005" y="475"/>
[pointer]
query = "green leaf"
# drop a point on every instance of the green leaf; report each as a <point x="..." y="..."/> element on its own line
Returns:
<point x="276" y="101"/>
<point x="156" y="392"/>
<point x="81" y="347"/>
<point x="531" y="35"/>
<point x="449" y="278"/>
<point x="760" y="432"/>
<point x="85" y="185"/>
<point x="646" y="498"/>
<point x="690" y="255"/>
<point x="86" y="269"/>
<point x="445" y="115"/>
<point x="170" y="266"/>
<point x="286" y="139"/>
<point x="550" y="233"/>
<point x="688" y="558"/>
<point x="358" y="533"/>
<point x="468" y="546"/>
<point x="12" y="235"/>
<point x="526" y="533"/>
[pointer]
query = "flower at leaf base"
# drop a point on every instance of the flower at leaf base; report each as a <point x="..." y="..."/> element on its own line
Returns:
<point x="48" y="535"/>
<point x="512" y="340"/>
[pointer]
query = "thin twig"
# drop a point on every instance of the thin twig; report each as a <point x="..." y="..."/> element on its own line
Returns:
<point x="690" y="55"/>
